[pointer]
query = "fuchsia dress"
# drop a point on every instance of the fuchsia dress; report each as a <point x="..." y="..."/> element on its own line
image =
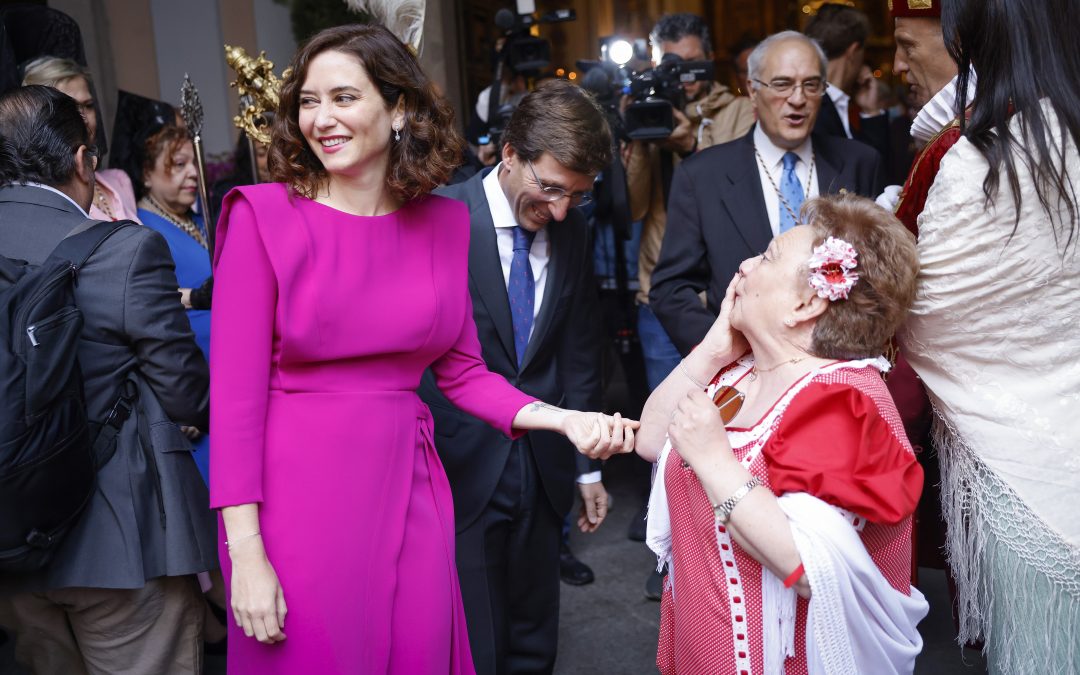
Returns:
<point x="323" y="323"/>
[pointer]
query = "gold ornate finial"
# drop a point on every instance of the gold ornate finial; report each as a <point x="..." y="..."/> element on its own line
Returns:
<point x="258" y="88"/>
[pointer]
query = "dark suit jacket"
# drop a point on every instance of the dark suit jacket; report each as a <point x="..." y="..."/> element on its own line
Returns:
<point x="717" y="218"/>
<point x="561" y="365"/>
<point x="873" y="131"/>
<point x="134" y="326"/>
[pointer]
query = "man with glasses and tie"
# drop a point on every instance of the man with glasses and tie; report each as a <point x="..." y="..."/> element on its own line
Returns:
<point x="728" y="201"/>
<point x="536" y="311"/>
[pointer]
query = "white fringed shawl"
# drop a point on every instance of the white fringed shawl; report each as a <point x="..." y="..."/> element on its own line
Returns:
<point x="857" y="622"/>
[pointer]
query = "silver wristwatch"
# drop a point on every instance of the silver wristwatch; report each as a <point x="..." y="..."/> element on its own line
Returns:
<point x="723" y="510"/>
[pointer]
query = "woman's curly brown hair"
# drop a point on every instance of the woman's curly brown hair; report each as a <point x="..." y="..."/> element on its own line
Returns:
<point x="888" y="262"/>
<point x="166" y="142"/>
<point x="430" y="146"/>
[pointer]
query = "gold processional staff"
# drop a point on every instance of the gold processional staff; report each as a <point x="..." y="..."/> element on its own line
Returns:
<point x="192" y="111"/>
<point x="258" y="88"/>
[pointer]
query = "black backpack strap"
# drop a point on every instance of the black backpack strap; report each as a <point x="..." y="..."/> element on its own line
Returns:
<point x="84" y="240"/>
<point x="10" y="270"/>
<point x="105" y="440"/>
<point x="76" y="248"/>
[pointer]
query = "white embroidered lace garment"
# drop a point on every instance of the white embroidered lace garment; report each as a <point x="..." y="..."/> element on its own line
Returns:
<point x="995" y="336"/>
<point x="995" y="333"/>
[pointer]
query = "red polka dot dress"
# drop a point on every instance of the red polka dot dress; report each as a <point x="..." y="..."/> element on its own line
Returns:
<point x="835" y="434"/>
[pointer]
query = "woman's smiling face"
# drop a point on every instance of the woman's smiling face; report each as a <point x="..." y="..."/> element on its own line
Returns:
<point x="343" y="117"/>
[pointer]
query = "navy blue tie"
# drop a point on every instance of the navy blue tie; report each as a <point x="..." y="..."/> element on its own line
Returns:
<point x="791" y="193"/>
<point x="521" y="291"/>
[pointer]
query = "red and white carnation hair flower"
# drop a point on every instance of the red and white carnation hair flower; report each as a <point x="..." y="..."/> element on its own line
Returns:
<point x="832" y="268"/>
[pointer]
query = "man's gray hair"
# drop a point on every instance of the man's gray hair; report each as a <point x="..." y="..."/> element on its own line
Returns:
<point x="756" y="56"/>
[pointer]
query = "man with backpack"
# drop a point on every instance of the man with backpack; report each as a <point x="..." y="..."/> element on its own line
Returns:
<point x="104" y="520"/>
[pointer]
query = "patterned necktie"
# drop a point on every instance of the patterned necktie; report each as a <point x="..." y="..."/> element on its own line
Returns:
<point x="791" y="193"/>
<point x="521" y="291"/>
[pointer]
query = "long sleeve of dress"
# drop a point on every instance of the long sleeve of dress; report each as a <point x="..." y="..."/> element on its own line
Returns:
<point x="241" y="340"/>
<point x="834" y="444"/>
<point x="464" y="378"/>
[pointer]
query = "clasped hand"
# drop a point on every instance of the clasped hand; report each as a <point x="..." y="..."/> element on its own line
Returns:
<point x="599" y="436"/>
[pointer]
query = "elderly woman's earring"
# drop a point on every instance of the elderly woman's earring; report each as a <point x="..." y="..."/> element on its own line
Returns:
<point x="790" y="323"/>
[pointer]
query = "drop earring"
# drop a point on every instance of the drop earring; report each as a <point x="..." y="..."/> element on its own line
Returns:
<point x="397" y="131"/>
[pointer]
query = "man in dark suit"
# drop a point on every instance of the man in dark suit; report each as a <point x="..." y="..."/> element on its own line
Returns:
<point x="851" y="106"/>
<point x="535" y="305"/>
<point x="121" y="594"/>
<point x="728" y="201"/>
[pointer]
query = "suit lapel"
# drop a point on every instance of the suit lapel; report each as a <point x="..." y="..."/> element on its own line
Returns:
<point x="485" y="269"/>
<point x="830" y="168"/>
<point x="744" y="200"/>
<point x="556" y="279"/>
<point x="828" y="121"/>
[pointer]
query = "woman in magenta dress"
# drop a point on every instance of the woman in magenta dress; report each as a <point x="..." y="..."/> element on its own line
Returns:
<point x="783" y="500"/>
<point x="335" y="289"/>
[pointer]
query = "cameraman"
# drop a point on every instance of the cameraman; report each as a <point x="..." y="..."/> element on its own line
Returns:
<point x="713" y="115"/>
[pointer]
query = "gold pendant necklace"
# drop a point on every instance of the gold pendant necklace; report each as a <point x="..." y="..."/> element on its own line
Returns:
<point x="768" y="174"/>
<point x="755" y="370"/>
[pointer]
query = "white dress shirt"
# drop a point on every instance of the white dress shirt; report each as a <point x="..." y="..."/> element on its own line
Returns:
<point x="539" y="256"/>
<point x="774" y="162"/>
<point x="505" y="222"/>
<point x="841" y="101"/>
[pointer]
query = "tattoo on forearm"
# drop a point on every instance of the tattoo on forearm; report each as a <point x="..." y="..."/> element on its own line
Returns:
<point x="537" y="406"/>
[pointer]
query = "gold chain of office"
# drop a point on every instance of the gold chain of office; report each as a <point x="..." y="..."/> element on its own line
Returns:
<point x="768" y="174"/>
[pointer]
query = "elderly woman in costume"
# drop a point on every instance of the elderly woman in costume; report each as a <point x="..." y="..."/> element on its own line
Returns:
<point x="783" y="499"/>
<point x="993" y="331"/>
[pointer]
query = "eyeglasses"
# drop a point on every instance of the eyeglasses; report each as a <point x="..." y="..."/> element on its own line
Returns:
<point x="552" y="193"/>
<point x="729" y="401"/>
<point x="785" y="88"/>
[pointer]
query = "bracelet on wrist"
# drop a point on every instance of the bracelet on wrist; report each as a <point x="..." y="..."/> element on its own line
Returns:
<point x="794" y="577"/>
<point x="682" y="367"/>
<point x="229" y="544"/>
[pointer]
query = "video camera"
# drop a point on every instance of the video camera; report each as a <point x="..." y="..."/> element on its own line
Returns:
<point x="657" y="92"/>
<point x="523" y="53"/>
